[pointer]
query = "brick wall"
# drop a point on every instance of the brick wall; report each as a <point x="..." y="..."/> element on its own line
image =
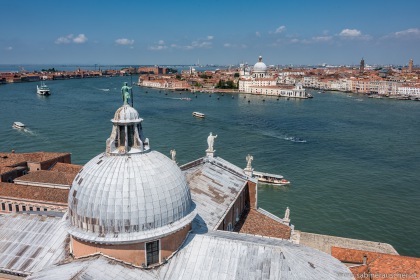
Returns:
<point x="131" y="253"/>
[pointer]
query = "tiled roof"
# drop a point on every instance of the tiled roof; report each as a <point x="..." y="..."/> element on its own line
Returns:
<point x="257" y="223"/>
<point x="33" y="193"/>
<point x="351" y="255"/>
<point x="47" y="177"/>
<point x="13" y="159"/>
<point x="379" y="263"/>
<point x="5" y="169"/>
<point x="67" y="168"/>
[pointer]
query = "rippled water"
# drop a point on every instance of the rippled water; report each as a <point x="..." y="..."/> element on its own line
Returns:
<point x="354" y="162"/>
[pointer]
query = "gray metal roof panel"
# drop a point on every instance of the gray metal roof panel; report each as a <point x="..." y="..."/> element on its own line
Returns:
<point x="97" y="267"/>
<point x="226" y="255"/>
<point x="29" y="243"/>
<point x="214" y="185"/>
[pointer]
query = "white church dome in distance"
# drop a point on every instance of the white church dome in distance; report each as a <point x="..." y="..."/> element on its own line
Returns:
<point x="260" y="66"/>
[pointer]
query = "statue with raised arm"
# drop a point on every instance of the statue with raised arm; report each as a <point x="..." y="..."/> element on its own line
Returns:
<point x="173" y="154"/>
<point x="286" y="214"/>
<point x="210" y="142"/>
<point x="249" y="159"/>
<point x="125" y="92"/>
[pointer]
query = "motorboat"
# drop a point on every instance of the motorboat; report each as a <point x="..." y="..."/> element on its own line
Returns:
<point x="18" y="125"/>
<point x="198" y="115"/>
<point x="272" y="179"/>
<point x="43" y="89"/>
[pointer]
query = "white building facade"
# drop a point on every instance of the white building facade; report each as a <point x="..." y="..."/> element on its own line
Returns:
<point x="260" y="82"/>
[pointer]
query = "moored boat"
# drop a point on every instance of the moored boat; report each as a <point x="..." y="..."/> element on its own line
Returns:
<point x="43" y="89"/>
<point x="198" y="115"/>
<point x="18" y="125"/>
<point x="272" y="179"/>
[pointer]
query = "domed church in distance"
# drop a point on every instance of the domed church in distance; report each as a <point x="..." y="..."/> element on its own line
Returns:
<point x="133" y="213"/>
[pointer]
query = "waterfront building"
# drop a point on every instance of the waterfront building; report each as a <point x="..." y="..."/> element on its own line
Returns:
<point x="156" y="70"/>
<point x="259" y="81"/>
<point x="407" y="90"/>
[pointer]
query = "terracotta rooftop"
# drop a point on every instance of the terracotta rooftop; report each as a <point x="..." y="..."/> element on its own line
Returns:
<point x="67" y="168"/>
<point x="13" y="159"/>
<point x="257" y="223"/>
<point x="47" y="177"/>
<point x="393" y="266"/>
<point x="5" y="169"/>
<point x="15" y="191"/>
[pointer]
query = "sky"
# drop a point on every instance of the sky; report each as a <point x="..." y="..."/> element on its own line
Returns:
<point x="210" y="32"/>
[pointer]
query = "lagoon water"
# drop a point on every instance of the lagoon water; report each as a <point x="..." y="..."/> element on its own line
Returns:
<point x="354" y="169"/>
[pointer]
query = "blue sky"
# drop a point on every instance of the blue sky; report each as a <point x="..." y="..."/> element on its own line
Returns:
<point x="211" y="32"/>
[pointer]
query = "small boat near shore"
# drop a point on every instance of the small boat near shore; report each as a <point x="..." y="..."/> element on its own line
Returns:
<point x="272" y="179"/>
<point x="198" y="115"/>
<point x="18" y="125"/>
<point x="43" y="89"/>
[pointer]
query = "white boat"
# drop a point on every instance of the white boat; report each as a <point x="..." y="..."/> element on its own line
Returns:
<point x="18" y="125"/>
<point x="198" y="115"/>
<point x="272" y="179"/>
<point x="43" y="89"/>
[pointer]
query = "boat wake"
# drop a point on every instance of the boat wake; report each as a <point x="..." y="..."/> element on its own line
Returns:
<point x="104" y="89"/>
<point x="181" y="98"/>
<point x="26" y="131"/>
<point x="295" y="139"/>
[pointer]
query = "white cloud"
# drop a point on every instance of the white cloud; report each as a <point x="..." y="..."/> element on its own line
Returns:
<point x="280" y="29"/>
<point x="353" y="34"/>
<point x="124" y="42"/>
<point x="258" y="34"/>
<point x="235" y="46"/>
<point x="65" y="39"/>
<point x="197" y="44"/>
<point x="408" y="32"/>
<point x="8" y="48"/>
<point x="79" y="39"/>
<point x="350" y="33"/>
<point x="322" y="38"/>
<point x="158" y="48"/>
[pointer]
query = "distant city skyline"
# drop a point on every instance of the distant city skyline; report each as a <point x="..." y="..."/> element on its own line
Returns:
<point x="217" y="32"/>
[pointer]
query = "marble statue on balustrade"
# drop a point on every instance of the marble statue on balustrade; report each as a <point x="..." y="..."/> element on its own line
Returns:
<point x="173" y="155"/>
<point x="286" y="218"/>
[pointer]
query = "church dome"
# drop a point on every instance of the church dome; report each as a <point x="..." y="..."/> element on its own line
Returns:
<point x="128" y="194"/>
<point x="260" y="66"/>
<point x="126" y="114"/>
